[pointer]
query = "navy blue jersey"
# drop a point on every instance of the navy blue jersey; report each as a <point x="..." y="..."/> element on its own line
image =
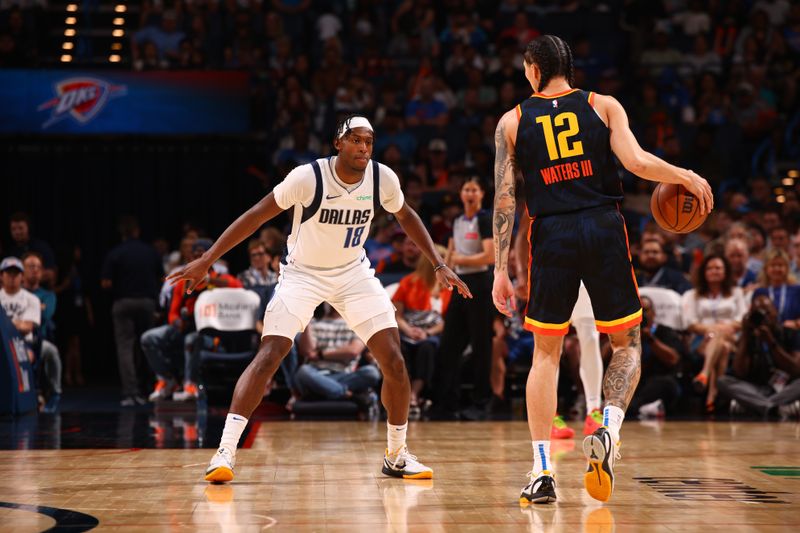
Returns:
<point x="563" y="149"/>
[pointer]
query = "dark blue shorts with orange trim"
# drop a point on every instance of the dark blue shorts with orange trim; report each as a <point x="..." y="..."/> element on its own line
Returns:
<point x="589" y="245"/>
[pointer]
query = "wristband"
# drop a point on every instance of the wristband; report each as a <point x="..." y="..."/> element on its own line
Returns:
<point x="438" y="267"/>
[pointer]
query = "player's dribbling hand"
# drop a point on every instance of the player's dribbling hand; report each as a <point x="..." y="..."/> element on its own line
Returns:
<point x="700" y="188"/>
<point x="503" y="294"/>
<point x="447" y="278"/>
<point x="194" y="273"/>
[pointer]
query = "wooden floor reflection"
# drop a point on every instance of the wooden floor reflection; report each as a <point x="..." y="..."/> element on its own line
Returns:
<point x="325" y="476"/>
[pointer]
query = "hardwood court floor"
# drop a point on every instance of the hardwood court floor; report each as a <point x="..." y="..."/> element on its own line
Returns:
<point x="325" y="476"/>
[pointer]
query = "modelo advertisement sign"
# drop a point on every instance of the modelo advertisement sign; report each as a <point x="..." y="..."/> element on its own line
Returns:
<point x="87" y="102"/>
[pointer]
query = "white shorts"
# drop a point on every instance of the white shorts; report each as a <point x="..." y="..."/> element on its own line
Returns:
<point x="353" y="290"/>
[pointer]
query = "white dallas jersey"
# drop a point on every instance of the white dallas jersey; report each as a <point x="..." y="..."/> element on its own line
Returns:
<point x="332" y="218"/>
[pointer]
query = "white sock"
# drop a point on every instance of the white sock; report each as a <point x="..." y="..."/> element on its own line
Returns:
<point x="612" y="419"/>
<point x="591" y="368"/>
<point x="541" y="456"/>
<point x="234" y="427"/>
<point x="396" y="436"/>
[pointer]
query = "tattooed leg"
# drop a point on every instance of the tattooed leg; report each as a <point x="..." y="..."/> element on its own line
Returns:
<point x="625" y="368"/>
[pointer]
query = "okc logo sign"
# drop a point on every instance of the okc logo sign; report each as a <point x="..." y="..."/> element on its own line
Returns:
<point x="79" y="98"/>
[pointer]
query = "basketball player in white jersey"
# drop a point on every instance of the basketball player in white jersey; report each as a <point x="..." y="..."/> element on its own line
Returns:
<point x="334" y="203"/>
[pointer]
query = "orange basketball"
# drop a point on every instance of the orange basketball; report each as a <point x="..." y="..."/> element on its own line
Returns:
<point x="676" y="209"/>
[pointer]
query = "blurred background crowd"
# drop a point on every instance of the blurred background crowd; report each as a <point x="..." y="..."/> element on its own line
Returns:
<point x="708" y="85"/>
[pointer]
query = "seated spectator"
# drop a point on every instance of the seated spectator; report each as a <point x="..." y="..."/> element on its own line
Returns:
<point x="381" y="244"/>
<point x="298" y="152"/>
<point x="393" y="132"/>
<point x="20" y="228"/>
<point x="177" y="260"/>
<point x="658" y="388"/>
<point x="758" y="244"/>
<point x="420" y="303"/>
<point x="166" y="39"/>
<point x="259" y="274"/>
<point x="779" y="284"/>
<point x="737" y="254"/>
<point x="713" y="312"/>
<point x="766" y="366"/>
<point x="779" y="239"/>
<point x="424" y="110"/>
<point x="161" y="344"/>
<point x="25" y="312"/>
<point x="654" y="272"/>
<point x="401" y="263"/>
<point x="31" y="281"/>
<point x="332" y="353"/>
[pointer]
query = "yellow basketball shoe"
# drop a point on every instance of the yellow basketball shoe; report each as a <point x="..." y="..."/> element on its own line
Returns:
<point x="220" y="469"/>
<point x="601" y="453"/>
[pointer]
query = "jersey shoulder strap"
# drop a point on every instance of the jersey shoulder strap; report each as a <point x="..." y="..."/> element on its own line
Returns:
<point x="376" y="188"/>
<point x="312" y="209"/>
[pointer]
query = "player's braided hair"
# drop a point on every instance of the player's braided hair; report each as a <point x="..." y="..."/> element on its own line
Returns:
<point x="553" y="57"/>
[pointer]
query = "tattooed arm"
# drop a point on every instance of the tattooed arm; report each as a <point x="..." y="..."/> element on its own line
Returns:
<point x="504" y="207"/>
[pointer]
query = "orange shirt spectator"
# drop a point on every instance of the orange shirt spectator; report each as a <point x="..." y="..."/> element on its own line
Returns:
<point x="415" y="295"/>
<point x="181" y="300"/>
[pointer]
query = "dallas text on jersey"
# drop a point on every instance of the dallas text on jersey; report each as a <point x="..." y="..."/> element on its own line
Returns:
<point x="344" y="216"/>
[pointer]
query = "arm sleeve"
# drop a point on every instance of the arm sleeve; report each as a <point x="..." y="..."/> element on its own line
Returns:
<point x="296" y="188"/>
<point x="392" y="198"/>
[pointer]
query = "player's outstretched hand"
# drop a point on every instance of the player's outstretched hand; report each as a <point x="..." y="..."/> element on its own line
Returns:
<point x="700" y="188"/>
<point x="448" y="278"/>
<point x="503" y="294"/>
<point x="194" y="273"/>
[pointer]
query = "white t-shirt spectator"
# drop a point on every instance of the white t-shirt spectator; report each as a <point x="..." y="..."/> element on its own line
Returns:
<point x="705" y="310"/>
<point x="22" y="305"/>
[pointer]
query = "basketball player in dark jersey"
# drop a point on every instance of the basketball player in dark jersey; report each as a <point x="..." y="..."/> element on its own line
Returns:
<point x="563" y="140"/>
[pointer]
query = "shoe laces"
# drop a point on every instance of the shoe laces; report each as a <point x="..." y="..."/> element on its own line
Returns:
<point x="596" y="415"/>
<point x="558" y="422"/>
<point x="404" y="454"/>
<point x="533" y="477"/>
<point x="226" y="454"/>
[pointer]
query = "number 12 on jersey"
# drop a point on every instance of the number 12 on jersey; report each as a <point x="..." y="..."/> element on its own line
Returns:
<point x="353" y="236"/>
<point x="563" y="149"/>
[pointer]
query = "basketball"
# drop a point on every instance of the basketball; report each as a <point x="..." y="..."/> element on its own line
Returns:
<point x="676" y="209"/>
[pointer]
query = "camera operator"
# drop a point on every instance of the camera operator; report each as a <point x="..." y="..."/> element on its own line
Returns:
<point x="766" y="366"/>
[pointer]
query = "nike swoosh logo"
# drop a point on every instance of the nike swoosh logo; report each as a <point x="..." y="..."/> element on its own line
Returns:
<point x="329" y="197"/>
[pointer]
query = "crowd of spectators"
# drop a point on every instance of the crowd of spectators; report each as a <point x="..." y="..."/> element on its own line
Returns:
<point x="711" y="86"/>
